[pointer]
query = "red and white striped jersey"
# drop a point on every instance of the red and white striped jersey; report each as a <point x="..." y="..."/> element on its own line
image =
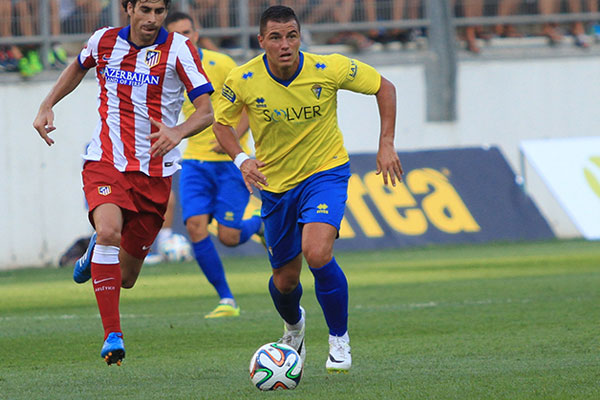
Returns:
<point x="135" y="84"/>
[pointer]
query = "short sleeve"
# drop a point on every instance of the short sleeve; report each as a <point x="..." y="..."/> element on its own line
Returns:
<point x="228" y="105"/>
<point x="88" y="57"/>
<point x="357" y="76"/>
<point x="190" y="71"/>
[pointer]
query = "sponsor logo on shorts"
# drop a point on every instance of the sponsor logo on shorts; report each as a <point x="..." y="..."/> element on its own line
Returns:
<point x="144" y="247"/>
<point x="229" y="216"/>
<point x="104" y="190"/>
<point x="322" y="209"/>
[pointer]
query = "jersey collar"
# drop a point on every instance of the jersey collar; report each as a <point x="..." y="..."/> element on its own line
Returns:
<point x="160" y="39"/>
<point x="287" y="82"/>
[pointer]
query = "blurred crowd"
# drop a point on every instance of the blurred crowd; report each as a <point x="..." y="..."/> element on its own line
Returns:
<point x="68" y="17"/>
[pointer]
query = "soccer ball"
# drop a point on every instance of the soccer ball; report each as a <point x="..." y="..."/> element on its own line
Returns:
<point x="176" y="248"/>
<point x="276" y="366"/>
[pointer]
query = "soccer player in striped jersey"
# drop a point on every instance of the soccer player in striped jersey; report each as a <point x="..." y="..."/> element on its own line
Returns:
<point x="302" y="166"/>
<point x="211" y="186"/>
<point x="142" y="72"/>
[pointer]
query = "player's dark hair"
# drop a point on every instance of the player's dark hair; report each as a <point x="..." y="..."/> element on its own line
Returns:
<point x="133" y="2"/>
<point x="277" y="14"/>
<point x="178" y="16"/>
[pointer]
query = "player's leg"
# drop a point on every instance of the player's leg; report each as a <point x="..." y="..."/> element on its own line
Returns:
<point x="106" y="192"/>
<point x="284" y="240"/>
<point x="322" y="210"/>
<point x="106" y="278"/>
<point x="230" y="203"/>
<point x="331" y="289"/>
<point x="197" y="194"/>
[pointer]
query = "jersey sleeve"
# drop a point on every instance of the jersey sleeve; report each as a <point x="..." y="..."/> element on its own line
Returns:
<point x="88" y="57"/>
<point x="190" y="71"/>
<point x="229" y="105"/>
<point x="357" y="76"/>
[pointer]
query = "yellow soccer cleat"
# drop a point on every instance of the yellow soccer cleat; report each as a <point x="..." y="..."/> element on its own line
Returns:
<point x="223" y="311"/>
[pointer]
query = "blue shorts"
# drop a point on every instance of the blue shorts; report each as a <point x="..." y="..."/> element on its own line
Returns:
<point x="215" y="188"/>
<point x="319" y="198"/>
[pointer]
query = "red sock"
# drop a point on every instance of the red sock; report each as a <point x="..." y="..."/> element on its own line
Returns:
<point x="107" y="287"/>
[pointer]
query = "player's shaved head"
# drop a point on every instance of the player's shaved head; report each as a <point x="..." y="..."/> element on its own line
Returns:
<point x="277" y="14"/>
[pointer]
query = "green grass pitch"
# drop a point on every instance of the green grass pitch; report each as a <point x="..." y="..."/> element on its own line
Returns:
<point x="501" y="321"/>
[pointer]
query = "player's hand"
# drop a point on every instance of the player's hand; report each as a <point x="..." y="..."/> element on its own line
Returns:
<point x="388" y="164"/>
<point x="252" y="176"/>
<point x="44" y="124"/>
<point x="166" y="139"/>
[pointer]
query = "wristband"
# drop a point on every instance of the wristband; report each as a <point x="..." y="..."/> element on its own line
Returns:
<point x="240" y="158"/>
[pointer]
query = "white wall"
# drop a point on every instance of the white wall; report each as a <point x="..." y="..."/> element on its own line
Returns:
<point x="499" y="103"/>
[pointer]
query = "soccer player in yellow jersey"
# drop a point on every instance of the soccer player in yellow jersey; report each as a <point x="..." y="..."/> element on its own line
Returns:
<point x="211" y="186"/>
<point x="302" y="166"/>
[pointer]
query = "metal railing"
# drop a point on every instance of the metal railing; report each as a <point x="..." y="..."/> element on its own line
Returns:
<point x="238" y="19"/>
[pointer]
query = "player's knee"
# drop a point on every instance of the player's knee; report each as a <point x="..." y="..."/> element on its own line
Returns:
<point x="229" y="238"/>
<point x="108" y="235"/>
<point x="197" y="230"/>
<point x="286" y="283"/>
<point x="127" y="283"/>
<point x="316" y="256"/>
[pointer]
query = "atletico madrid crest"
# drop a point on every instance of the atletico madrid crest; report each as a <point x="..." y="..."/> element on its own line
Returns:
<point x="152" y="58"/>
<point x="104" y="190"/>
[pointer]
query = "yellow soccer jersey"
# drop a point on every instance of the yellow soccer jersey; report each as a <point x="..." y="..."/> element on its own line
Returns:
<point x="294" y="123"/>
<point x="217" y="66"/>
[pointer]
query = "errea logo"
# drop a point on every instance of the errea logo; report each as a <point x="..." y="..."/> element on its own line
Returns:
<point x="260" y="102"/>
<point x="322" y="209"/>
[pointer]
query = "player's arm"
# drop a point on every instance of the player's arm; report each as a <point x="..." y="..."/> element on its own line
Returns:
<point x="167" y="138"/>
<point x="229" y="140"/>
<point x="388" y="163"/>
<point x="68" y="80"/>
<point x="240" y="130"/>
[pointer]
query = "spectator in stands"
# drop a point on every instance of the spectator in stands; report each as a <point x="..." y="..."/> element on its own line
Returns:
<point x="578" y="28"/>
<point x="550" y="30"/>
<point x="341" y="12"/>
<point x="24" y="17"/>
<point x="397" y="14"/>
<point x="507" y="7"/>
<point x="5" y="18"/>
<point x="81" y="16"/>
<point x="210" y="9"/>
<point x="472" y="9"/>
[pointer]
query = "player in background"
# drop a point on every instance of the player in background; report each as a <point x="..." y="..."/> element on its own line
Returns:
<point x="302" y="166"/>
<point x="211" y="186"/>
<point x="142" y="72"/>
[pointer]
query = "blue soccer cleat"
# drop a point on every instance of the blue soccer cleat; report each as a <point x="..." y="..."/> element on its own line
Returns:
<point x="83" y="267"/>
<point x="113" y="350"/>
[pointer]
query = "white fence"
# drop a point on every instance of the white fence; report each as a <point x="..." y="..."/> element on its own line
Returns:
<point x="499" y="102"/>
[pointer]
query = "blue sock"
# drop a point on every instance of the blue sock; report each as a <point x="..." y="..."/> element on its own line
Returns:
<point x="288" y="305"/>
<point x="249" y="227"/>
<point x="210" y="263"/>
<point x="331" y="288"/>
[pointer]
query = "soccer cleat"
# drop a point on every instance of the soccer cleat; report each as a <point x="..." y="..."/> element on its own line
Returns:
<point x="224" y="310"/>
<point x="295" y="337"/>
<point x="83" y="267"/>
<point x="339" y="359"/>
<point x="113" y="350"/>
